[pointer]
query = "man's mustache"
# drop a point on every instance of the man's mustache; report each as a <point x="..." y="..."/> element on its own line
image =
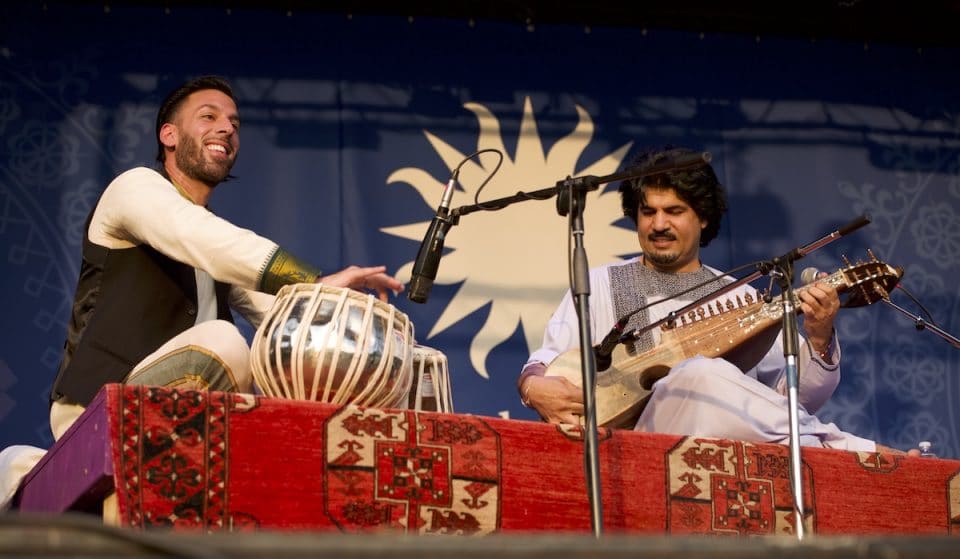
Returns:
<point x="664" y="236"/>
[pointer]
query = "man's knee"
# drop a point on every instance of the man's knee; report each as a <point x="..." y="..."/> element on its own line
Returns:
<point x="232" y="349"/>
<point x="699" y="372"/>
<point x="212" y="354"/>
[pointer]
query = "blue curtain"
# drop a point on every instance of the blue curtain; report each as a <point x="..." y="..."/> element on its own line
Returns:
<point x="351" y="126"/>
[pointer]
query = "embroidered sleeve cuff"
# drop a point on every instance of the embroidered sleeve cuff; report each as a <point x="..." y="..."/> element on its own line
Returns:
<point x="283" y="268"/>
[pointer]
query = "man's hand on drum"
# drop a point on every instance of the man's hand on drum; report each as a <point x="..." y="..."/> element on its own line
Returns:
<point x="360" y="278"/>
<point x="556" y="399"/>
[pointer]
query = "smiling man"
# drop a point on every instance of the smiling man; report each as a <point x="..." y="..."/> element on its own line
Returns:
<point x="160" y="272"/>
<point x="676" y="213"/>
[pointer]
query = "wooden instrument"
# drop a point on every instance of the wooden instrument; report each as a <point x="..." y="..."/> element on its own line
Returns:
<point x="740" y="330"/>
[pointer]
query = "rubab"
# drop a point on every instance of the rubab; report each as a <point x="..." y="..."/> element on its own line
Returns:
<point x="740" y="330"/>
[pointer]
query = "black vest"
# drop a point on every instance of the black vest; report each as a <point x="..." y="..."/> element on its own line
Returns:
<point x="128" y="303"/>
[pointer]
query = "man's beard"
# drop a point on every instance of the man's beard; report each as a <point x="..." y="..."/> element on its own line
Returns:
<point x="190" y="159"/>
<point x="662" y="258"/>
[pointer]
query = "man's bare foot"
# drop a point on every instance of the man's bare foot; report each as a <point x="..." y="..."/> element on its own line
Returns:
<point x="891" y="450"/>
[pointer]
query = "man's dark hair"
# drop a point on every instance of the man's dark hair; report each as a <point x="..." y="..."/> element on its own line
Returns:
<point x="173" y="102"/>
<point x="697" y="186"/>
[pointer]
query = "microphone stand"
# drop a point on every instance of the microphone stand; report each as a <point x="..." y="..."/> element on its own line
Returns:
<point x="571" y="199"/>
<point x="791" y="343"/>
<point x="922" y="324"/>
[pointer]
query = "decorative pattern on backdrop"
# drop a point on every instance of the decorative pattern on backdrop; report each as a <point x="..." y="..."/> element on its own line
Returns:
<point x="343" y="162"/>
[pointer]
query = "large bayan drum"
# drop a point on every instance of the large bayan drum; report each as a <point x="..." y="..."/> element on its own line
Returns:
<point x="430" y="390"/>
<point x="336" y="345"/>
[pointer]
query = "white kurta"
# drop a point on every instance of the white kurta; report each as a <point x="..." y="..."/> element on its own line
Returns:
<point x="711" y="397"/>
<point x="140" y="206"/>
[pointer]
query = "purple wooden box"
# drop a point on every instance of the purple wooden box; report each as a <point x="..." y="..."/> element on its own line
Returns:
<point x="77" y="473"/>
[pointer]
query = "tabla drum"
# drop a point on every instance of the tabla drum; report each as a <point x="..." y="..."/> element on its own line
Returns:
<point x="333" y="344"/>
<point x="430" y="390"/>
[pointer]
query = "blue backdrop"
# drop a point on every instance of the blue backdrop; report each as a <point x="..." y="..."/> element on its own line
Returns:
<point x="351" y="126"/>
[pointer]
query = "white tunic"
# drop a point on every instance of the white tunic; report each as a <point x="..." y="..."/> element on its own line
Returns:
<point x="711" y="397"/>
<point x="140" y="206"/>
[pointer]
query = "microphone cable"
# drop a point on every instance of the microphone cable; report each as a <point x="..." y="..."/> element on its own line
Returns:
<point x="919" y="304"/>
<point x="476" y="195"/>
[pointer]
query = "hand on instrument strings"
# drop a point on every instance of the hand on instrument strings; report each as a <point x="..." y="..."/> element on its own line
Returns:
<point x="819" y="304"/>
<point x="556" y="399"/>
<point x="373" y="278"/>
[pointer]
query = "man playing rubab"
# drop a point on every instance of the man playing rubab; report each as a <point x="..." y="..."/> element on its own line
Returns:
<point x="676" y="213"/>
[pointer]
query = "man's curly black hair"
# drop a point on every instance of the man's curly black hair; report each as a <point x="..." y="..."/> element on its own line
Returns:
<point x="697" y="186"/>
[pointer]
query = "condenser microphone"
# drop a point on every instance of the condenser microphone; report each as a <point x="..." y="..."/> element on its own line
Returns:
<point x="428" y="257"/>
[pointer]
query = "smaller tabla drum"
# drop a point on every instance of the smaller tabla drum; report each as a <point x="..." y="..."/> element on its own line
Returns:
<point x="430" y="390"/>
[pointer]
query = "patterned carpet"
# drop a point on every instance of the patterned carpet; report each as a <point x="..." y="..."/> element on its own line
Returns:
<point x="226" y="462"/>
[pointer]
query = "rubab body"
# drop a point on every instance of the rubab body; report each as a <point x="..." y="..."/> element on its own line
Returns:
<point x="740" y="330"/>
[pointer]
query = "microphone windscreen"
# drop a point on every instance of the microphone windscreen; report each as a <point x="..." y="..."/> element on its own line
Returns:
<point x="809" y="275"/>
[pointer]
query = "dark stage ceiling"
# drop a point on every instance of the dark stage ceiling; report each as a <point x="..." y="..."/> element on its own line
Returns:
<point x="916" y="23"/>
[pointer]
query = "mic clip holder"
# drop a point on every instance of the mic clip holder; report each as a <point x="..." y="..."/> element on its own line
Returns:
<point x="782" y="263"/>
<point x="573" y="185"/>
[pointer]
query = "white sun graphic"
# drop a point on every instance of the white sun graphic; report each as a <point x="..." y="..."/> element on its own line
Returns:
<point x="515" y="258"/>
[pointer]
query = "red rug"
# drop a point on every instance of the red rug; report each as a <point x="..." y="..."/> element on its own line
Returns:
<point x="218" y="461"/>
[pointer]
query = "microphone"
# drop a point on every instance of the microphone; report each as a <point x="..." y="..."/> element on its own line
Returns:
<point x="680" y="161"/>
<point x="809" y="275"/>
<point x="603" y="351"/>
<point x="428" y="257"/>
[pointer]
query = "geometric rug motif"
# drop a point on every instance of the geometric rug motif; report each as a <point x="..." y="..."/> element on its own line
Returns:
<point x="879" y="462"/>
<point x="724" y="487"/>
<point x="174" y="458"/>
<point x="416" y="473"/>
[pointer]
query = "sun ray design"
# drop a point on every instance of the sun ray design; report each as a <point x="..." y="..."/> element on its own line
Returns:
<point x="515" y="259"/>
